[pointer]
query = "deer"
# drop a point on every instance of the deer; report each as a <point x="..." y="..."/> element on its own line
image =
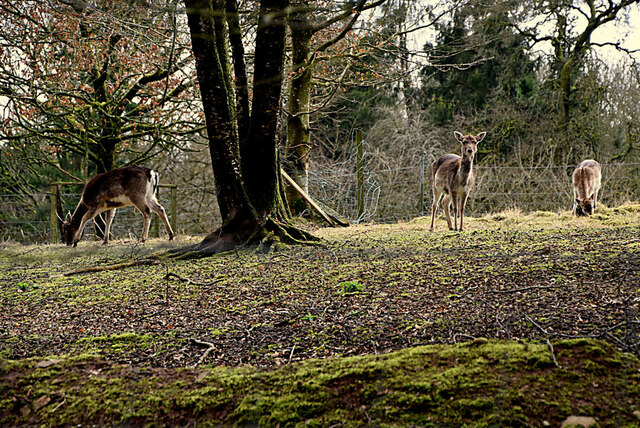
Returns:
<point x="120" y="187"/>
<point x="586" y="181"/>
<point x="453" y="177"/>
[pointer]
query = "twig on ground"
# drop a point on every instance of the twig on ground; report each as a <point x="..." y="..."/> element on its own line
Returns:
<point x="189" y="281"/>
<point x="291" y="355"/>
<point x="111" y="267"/>
<point x="208" y="345"/>
<point x="59" y="405"/>
<point x="467" y="336"/>
<point x="553" y="355"/>
<point x="537" y="325"/>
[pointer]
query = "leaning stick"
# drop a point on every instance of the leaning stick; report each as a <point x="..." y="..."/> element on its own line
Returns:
<point x="307" y="198"/>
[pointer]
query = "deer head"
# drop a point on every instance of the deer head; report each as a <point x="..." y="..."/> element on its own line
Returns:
<point x="586" y="204"/>
<point x="67" y="231"/>
<point x="469" y="143"/>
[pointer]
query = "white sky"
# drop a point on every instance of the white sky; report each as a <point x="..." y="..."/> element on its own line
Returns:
<point x="613" y="31"/>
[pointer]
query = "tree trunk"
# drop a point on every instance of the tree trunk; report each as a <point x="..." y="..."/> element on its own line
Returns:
<point x="206" y="22"/>
<point x="246" y="172"/>
<point x="239" y="68"/>
<point x="298" y="145"/>
<point x="260" y="163"/>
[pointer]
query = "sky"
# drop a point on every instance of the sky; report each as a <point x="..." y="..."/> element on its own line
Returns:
<point x="610" y="32"/>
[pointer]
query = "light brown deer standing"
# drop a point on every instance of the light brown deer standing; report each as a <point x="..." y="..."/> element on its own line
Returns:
<point x="586" y="180"/>
<point x="453" y="177"/>
<point x="120" y="187"/>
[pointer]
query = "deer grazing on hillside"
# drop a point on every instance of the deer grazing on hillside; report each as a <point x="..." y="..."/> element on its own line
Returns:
<point x="586" y="180"/>
<point x="453" y="177"/>
<point x="121" y="187"/>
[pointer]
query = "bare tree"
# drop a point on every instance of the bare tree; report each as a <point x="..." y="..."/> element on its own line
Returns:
<point x="574" y="23"/>
<point x="102" y="81"/>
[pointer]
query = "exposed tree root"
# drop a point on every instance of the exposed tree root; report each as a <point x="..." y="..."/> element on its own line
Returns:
<point x="263" y="236"/>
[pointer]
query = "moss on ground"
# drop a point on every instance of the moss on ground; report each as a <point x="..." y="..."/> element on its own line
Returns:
<point x="371" y="289"/>
<point x="479" y="383"/>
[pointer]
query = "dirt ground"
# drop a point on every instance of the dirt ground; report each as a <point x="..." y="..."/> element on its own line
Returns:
<point x="367" y="289"/>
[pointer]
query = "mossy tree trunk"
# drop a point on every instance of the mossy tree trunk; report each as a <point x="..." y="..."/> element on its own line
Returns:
<point x="304" y="24"/>
<point x="246" y="171"/>
<point x="298" y="147"/>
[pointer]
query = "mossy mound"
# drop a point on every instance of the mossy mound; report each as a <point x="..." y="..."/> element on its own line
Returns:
<point x="479" y="383"/>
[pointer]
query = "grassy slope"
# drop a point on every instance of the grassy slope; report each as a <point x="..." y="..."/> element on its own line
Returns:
<point x="495" y="382"/>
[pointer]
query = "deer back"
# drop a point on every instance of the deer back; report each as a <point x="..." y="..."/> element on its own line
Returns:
<point x="587" y="179"/>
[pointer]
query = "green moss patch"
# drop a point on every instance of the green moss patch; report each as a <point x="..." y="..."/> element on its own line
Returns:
<point x="474" y="383"/>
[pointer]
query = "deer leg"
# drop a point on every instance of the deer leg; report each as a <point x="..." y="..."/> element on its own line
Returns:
<point x="108" y="218"/>
<point x="595" y="200"/>
<point x="434" y="206"/>
<point x="454" y="200"/>
<point x="445" y="206"/>
<point x="463" y="202"/>
<point x="159" y="209"/>
<point x="146" y="213"/>
<point x="85" y="218"/>
<point x="141" y="205"/>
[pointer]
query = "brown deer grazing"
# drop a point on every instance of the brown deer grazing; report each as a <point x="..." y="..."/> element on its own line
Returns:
<point x="453" y="176"/>
<point x="121" y="187"/>
<point x="586" y="180"/>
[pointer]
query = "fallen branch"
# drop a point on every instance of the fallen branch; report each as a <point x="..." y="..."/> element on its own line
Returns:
<point x="111" y="267"/>
<point x="331" y="220"/>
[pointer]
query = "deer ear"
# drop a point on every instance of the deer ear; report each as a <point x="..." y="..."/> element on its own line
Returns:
<point x="480" y="137"/>
<point x="458" y="136"/>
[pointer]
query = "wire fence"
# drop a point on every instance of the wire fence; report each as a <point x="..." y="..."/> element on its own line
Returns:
<point x="388" y="195"/>
<point x="394" y="194"/>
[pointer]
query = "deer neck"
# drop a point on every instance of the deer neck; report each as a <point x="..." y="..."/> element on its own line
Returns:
<point x="79" y="212"/>
<point x="466" y="168"/>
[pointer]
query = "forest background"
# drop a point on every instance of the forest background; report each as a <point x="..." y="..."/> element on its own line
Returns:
<point x="89" y="86"/>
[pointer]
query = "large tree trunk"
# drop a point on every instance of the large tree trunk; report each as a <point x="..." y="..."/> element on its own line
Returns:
<point x="260" y="164"/>
<point x="246" y="171"/>
<point x="208" y="38"/>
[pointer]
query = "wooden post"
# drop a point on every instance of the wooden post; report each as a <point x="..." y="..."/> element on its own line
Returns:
<point x="53" y="235"/>
<point x="174" y="209"/>
<point x="359" y="175"/>
<point x="421" y="202"/>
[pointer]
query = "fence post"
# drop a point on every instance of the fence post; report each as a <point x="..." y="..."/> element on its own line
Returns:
<point x="53" y="236"/>
<point x="421" y="186"/>
<point x="173" y="208"/>
<point x="359" y="174"/>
